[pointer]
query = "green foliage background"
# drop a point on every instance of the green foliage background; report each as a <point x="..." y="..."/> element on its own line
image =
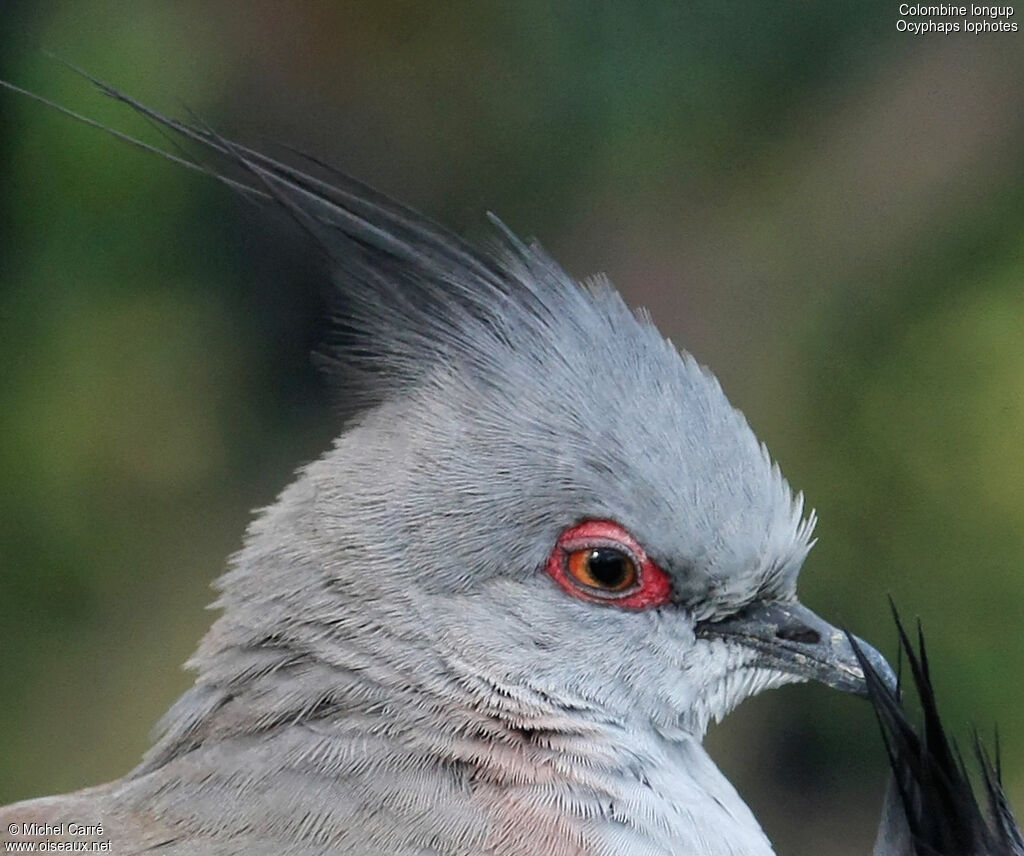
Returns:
<point x="825" y="211"/>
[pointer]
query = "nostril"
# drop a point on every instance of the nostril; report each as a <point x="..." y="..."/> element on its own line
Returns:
<point x="803" y="635"/>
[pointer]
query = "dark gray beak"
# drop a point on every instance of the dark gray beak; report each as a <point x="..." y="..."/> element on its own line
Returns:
<point x="790" y="638"/>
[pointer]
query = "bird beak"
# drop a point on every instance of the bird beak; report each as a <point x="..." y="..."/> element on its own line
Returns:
<point x="790" y="638"/>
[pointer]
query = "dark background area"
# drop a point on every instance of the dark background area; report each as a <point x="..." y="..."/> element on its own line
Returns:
<point x="825" y="211"/>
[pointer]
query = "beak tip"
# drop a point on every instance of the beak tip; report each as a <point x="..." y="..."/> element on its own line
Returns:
<point x="874" y="668"/>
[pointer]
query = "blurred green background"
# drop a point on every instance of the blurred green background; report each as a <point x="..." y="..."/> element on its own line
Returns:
<point x="827" y="212"/>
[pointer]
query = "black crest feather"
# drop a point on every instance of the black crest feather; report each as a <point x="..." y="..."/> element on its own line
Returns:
<point x="931" y="807"/>
<point x="403" y="279"/>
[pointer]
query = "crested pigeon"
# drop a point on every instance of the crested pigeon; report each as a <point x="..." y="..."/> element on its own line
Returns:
<point x="499" y="614"/>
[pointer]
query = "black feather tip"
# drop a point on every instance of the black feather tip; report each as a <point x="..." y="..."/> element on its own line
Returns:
<point x="931" y="808"/>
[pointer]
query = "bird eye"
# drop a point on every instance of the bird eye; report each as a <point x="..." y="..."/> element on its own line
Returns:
<point x="599" y="561"/>
<point x="602" y="568"/>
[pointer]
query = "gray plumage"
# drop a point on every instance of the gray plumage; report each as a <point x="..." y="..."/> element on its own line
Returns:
<point x="393" y="671"/>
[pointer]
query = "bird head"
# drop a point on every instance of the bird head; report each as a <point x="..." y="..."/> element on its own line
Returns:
<point x="537" y="498"/>
<point x="537" y="505"/>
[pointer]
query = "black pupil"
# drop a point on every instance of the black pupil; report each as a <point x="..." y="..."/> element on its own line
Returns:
<point x="608" y="568"/>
